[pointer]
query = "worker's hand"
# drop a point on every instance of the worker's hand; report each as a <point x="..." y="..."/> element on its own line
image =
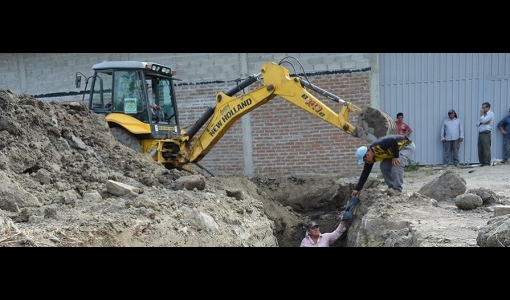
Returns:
<point x="443" y="140"/>
<point x="354" y="193"/>
<point x="395" y="161"/>
<point x="461" y="139"/>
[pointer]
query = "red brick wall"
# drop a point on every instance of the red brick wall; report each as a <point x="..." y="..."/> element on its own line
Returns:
<point x="286" y="139"/>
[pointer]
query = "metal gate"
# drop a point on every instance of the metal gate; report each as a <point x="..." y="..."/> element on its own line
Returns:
<point x="424" y="86"/>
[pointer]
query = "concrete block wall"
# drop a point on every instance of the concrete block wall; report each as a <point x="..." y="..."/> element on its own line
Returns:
<point x="275" y="139"/>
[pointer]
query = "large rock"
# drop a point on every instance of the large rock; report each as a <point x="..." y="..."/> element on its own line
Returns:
<point x="447" y="186"/>
<point x="496" y="233"/>
<point x="488" y="196"/>
<point x="468" y="201"/>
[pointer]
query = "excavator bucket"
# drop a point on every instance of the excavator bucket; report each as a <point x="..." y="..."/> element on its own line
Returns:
<point x="373" y="124"/>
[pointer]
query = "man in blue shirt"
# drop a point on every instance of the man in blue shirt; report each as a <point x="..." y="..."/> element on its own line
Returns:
<point x="452" y="134"/>
<point x="504" y="127"/>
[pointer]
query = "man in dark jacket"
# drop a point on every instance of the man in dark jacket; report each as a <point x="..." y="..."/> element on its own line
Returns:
<point x="504" y="127"/>
<point x="394" y="152"/>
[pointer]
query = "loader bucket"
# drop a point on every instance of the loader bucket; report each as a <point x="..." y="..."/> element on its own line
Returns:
<point x="373" y="124"/>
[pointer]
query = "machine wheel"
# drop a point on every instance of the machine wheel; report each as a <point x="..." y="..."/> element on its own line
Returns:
<point x="126" y="138"/>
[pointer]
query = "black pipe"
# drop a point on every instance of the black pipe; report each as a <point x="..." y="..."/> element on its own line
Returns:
<point x="199" y="123"/>
<point x="245" y="83"/>
<point x="210" y="110"/>
<point x="320" y="91"/>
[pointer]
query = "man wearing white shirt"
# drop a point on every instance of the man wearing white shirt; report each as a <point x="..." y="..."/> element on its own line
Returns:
<point x="484" y="134"/>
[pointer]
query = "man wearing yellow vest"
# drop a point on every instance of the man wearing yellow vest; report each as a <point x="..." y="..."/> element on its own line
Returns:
<point x="394" y="152"/>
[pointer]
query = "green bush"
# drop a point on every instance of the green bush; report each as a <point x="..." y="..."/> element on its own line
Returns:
<point x="412" y="166"/>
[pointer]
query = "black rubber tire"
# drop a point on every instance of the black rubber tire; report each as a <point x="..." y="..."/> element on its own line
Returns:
<point x="126" y="138"/>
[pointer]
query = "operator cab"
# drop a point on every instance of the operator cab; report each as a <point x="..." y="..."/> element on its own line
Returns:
<point x="143" y="91"/>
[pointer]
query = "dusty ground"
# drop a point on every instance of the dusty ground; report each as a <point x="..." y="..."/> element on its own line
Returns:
<point x="66" y="182"/>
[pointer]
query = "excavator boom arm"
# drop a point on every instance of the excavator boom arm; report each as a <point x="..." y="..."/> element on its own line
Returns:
<point x="277" y="82"/>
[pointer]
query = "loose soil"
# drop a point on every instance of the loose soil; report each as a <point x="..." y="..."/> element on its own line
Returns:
<point x="66" y="182"/>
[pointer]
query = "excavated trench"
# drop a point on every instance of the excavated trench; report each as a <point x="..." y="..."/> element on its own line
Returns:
<point x="303" y="199"/>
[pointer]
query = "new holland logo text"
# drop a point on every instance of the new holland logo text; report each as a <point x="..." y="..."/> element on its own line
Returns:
<point x="228" y="113"/>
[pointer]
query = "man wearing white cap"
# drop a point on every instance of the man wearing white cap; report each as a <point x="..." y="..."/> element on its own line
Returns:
<point x="314" y="237"/>
<point x="393" y="151"/>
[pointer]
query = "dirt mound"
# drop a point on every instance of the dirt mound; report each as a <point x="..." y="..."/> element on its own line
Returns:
<point x="67" y="182"/>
